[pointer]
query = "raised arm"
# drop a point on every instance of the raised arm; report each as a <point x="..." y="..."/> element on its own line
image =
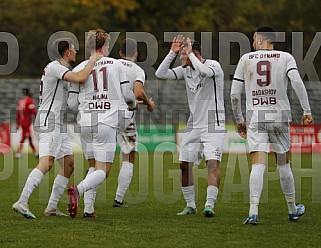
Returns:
<point x="82" y="75"/>
<point x="204" y="71"/>
<point x="163" y="70"/>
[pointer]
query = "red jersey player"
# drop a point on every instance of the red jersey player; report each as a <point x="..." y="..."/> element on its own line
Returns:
<point x="25" y="110"/>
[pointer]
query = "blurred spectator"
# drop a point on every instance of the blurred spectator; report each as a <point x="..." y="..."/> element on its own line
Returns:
<point x="25" y="111"/>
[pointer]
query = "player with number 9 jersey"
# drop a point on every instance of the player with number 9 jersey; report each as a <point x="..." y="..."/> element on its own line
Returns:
<point x="265" y="74"/>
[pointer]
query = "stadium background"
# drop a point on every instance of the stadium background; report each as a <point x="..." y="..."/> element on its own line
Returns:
<point x="171" y="110"/>
<point x="152" y="222"/>
<point x="32" y="22"/>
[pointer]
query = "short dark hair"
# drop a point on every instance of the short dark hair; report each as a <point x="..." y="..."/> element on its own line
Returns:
<point x="59" y="46"/>
<point x="26" y="91"/>
<point x="196" y="46"/>
<point x="268" y="32"/>
<point x="128" y="47"/>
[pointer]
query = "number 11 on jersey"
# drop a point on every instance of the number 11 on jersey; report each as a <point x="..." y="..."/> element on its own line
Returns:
<point x="103" y="70"/>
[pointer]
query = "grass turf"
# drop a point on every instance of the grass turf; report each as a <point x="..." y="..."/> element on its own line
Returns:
<point x="154" y="198"/>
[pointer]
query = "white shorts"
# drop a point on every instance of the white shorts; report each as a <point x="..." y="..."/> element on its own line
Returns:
<point x="99" y="142"/>
<point x="199" y="141"/>
<point x="55" y="144"/>
<point x="127" y="135"/>
<point x="261" y="135"/>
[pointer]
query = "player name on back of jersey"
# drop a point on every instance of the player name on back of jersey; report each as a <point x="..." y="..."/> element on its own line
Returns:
<point x="264" y="97"/>
<point x="104" y="62"/>
<point x="269" y="55"/>
<point x="127" y="64"/>
<point x="96" y="104"/>
<point x="101" y="96"/>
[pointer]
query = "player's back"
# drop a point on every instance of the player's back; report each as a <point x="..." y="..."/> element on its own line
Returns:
<point x="100" y="97"/>
<point x="134" y="73"/>
<point x="265" y="78"/>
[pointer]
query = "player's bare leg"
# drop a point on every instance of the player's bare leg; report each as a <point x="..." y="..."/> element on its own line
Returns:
<point x="187" y="180"/>
<point x="213" y="182"/>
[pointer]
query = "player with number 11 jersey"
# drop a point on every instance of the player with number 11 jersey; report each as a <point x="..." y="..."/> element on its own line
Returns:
<point x="100" y="97"/>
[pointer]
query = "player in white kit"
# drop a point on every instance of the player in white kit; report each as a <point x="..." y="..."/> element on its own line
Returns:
<point x="127" y="134"/>
<point x="265" y="74"/>
<point x="206" y="125"/>
<point x="99" y="103"/>
<point x="53" y="139"/>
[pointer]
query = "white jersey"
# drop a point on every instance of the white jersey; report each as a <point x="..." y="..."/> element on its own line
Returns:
<point x="53" y="96"/>
<point x="100" y="97"/>
<point x="134" y="73"/>
<point x="205" y="94"/>
<point x="265" y="75"/>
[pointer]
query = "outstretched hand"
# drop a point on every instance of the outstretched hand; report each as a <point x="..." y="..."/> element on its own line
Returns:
<point x="177" y="43"/>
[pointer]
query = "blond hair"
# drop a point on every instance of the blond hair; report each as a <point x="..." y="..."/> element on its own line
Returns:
<point x="96" y="39"/>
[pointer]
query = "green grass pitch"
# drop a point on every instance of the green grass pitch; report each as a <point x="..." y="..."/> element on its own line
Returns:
<point x="154" y="198"/>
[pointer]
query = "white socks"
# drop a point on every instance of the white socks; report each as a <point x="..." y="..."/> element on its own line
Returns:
<point x="287" y="184"/>
<point x="32" y="182"/>
<point x="90" y="196"/>
<point x="58" y="189"/>
<point x="211" y="195"/>
<point x="189" y="196"/>
<point x="256" y="186"/>
<point x="124" y="179"/>
<point x="91" y="181"/>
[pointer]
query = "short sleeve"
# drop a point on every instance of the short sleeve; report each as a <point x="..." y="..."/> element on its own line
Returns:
<point x="57" y="70"/>
<point x="140" y="76"/>
<point x="239" y="72"/>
